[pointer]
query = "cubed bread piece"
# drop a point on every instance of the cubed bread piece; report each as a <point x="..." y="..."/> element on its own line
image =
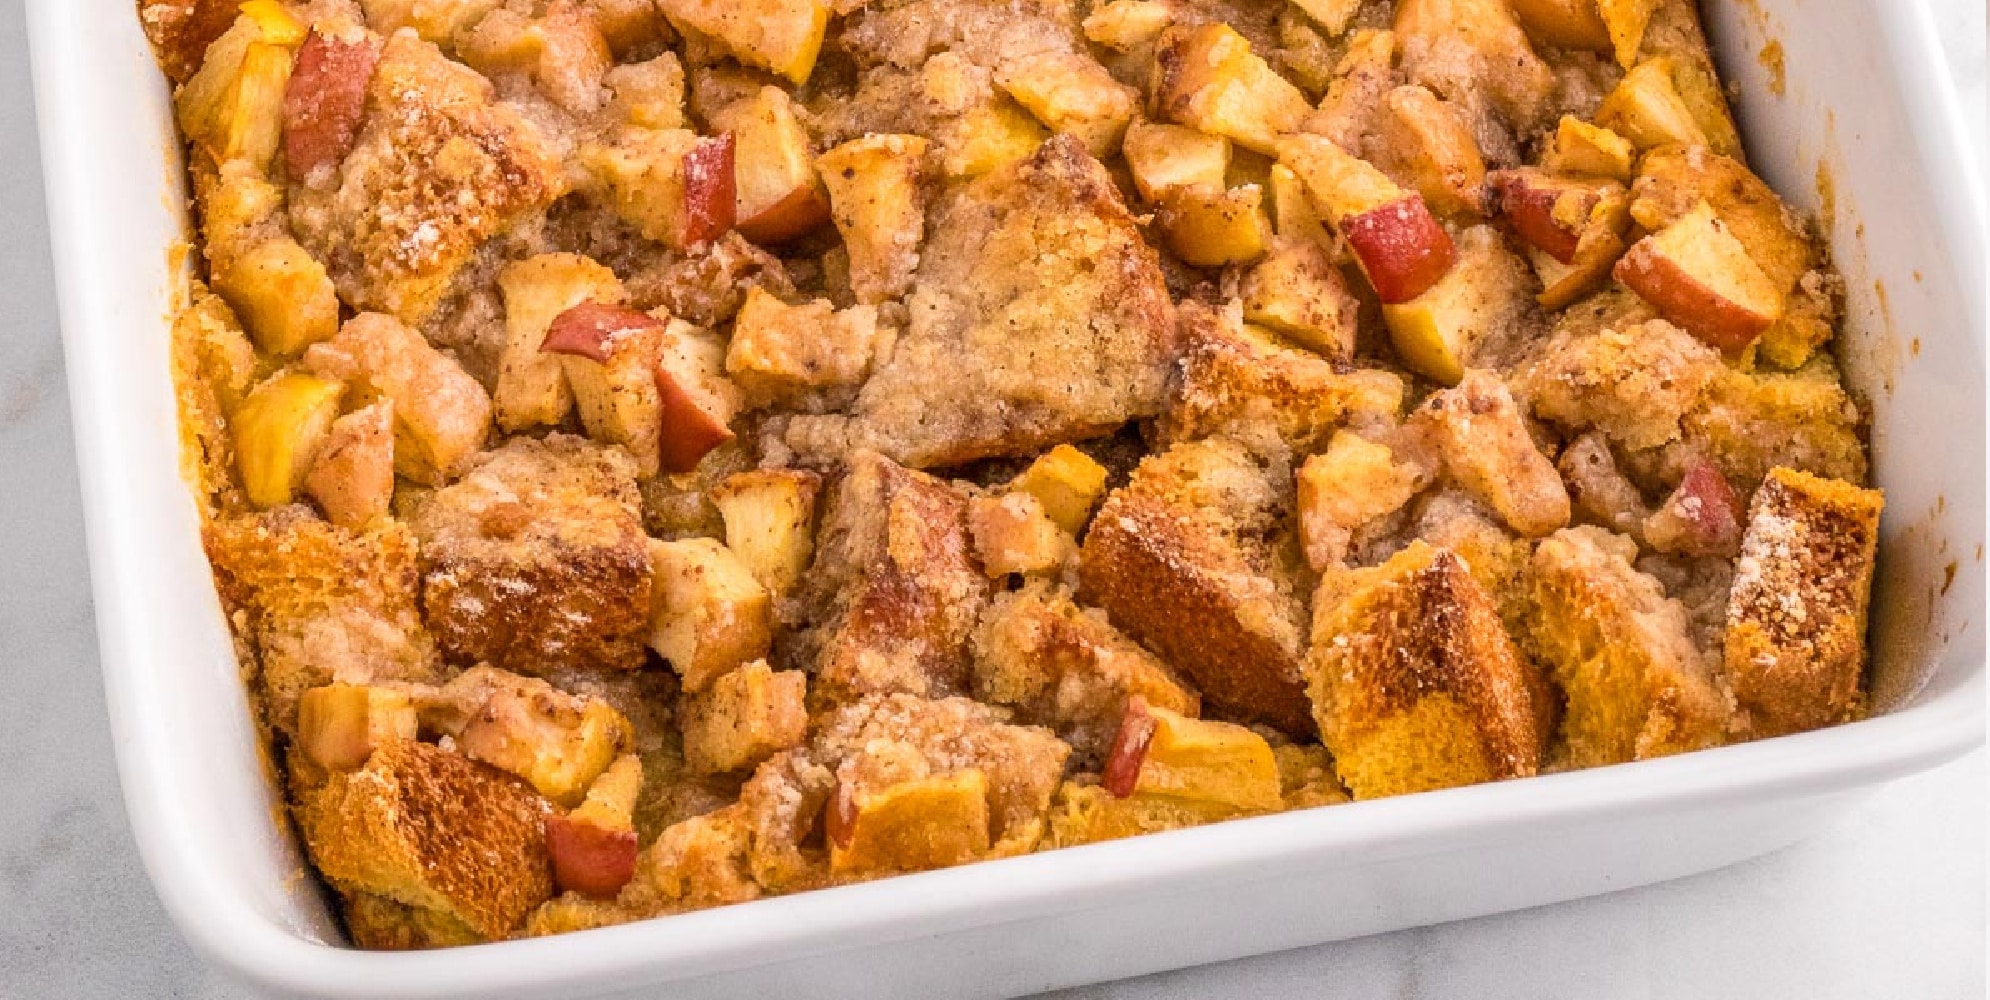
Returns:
<point x="536" y="561"/>
<point x="1426" y="143"/>
<point x="1071" y="93"/>
<point x="808" y="357"/>
<point x="437" y="169"/>
<point x="441" y="413"/>
<point x="1481" y="435"/>
<point x="1749" y="424"/>
<point x="377" y="923"/>
<point x="879" y="206"/>
<point x="1010" y="350"/>
<point x="895" y="589"/>
<point x="1796" y="618"/>
<point x="710" y="615"/>
<point x="1066" y="667"/>
<point x="1352" y="482"/>
<point x="435" y="830"/>
<point x="648" y="93"/>
<point x="745" y="717"/>
<point x="700" y="862"/>
<point x="556" y="46"/>
<point x="1181" y="558"/>
<point x="1636" y="686"/>
<point x="1208" y="78"/>
<point x="1474" y="52"/>
<point x="322" y="603"/>
<point x="1633" y="382"/>
<point x="1088" y="814"/>
<point x="1240" y="383"/>
<point x="1297" y="291"/>
<point x="1416" y="684"/>
<point x="352" y="477"/>
<point x="1306" y="776"/>
<point x="769" y="519"/>
<point x="531" y="387"/>
<point x="1012" y="534"/>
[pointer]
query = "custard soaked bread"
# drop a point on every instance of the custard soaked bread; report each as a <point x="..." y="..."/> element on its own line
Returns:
<point x="657" y="454"/>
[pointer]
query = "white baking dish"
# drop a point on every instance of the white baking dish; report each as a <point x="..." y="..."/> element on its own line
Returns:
<point x="1866" y="103"/>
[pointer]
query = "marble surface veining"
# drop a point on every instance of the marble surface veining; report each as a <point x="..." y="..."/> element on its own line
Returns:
<point x="1889" y="902"/>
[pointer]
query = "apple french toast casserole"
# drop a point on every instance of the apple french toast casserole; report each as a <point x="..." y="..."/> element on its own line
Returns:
<point x="656" y="454"/>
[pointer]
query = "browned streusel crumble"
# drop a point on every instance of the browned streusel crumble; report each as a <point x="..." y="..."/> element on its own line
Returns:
<point x="660" y="453"/>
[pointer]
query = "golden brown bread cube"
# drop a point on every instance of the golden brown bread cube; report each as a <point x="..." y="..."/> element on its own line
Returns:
<point x="1416" y="684"/>
<point x="536" y="560"/>
<point x="1481" y="435"/>
<point x="745" y="717"/>
<point x="895" y="589"/>
<point x="441" y="413"/>
<point x="1796" y="617"/>
<point x="438" y="169"/>
<point x="1635" y="383"/>
<point x="1749" y="424"/>
<point x="1183" y="560"/>
<point x="1066" y="667"/>
<point x="1346" y="486"/>
<point x="1011" y="349"/>
<point x="322" y="603"/>
<point x="1241" y="383"/>
<point x="432" y="829"/>
<point x="556" y="740"/>
<point x="710" y="614"/>
<point x="1475" y="53"/>
<point x="352" y="477"/>
<point x="810" y="357"/>
<point x="780" y="36"/>
<point x="1620" y="649"/>
<point x="377" y="922"/>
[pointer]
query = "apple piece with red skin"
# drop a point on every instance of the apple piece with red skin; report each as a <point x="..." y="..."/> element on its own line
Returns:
<point x="1129" y="748"/>
<point x="1555" y="213"/>
<point x="708" y="190"/>
<point x="590" y="857"/>
<point x="801" y="212"/>
<point x="590" y="330"/>
<point x="1702" y="517"/>
<point x="1699" y="276"/>
<point x="325" y="101"/>
<point x="608" y="359"/>
<point x="699" y="402"/>
<point x="778" y="196"/>
<point x="1400" y="247"/>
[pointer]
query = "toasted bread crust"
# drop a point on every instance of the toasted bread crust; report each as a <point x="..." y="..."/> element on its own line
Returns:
<point x="1172" y="560"/>
<point x="1796" y="618"/>
<point x="434" y="830"/>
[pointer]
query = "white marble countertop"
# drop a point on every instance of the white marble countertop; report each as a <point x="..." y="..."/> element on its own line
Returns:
<point x="1889" y="902"/>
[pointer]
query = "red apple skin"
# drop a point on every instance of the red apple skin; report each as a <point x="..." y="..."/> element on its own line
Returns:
<point x="1530" y="209"/>
<point x="590" y="330"/>
<point x="691" y="427"/>
<point x="1682" y="299"/>
<point x="588" y="858"/>
<point x="803" y="211"/>
<point x="840" y="820"/>
<point x="1129" y="749"/>
<point x="1710" y="509"/>
<point x="708" y="190"/>
<point x="325" y="101"/>
<point x="1401" y="248"/>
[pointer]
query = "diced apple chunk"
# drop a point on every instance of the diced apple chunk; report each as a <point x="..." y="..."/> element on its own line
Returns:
<point x="1646" y="108"/>
<point x="1125" y="25"/>
<point x="1563" y="24"/>
<point x="353" y="476"/>
<point x="441" y="413"/>
<point x="339" y="725"/>
<point x="1702" y="517"/>
<point x="531" y="384"/>
<point x="1696" y="274"/>
<point x="1432" y="149"/>
<point x="1332" y="15"/>
<point x="1581" y="148"/>
<point x="325" y="102"/>
<point x="233" y="108"/>
<point x="1067" y="482"/>
<point x="1297" y="291"/>
<point x="609" y="356"/>
<point x="1395" y="239"/>
<point x="673" y="186"/>
<point x="911" y="825"/>
<point x="698" y="401"/>
<point x="1350" y="484"/>
<point x="1556" y="213"/>
<point x="279" y="430"/>
<point x="745" y="717"/>
<point x="1012" y="534"/>
<point x="776" y="193"/>
<point x="562" y="50"/>
<point x="1292" y="213"/>
<point x="1171" y="755"/>
<point x="1210" y="227"/>
<point x="557" y="741"/>
<point x="1209" y="79"/>
<point x="780" y="36"/>
<point x="1482" y="437"/>
<point x="284" y="297"/>
<point x="808" y="357"/>
<point x="1626" y="21"/>
<point x="1436" y="332"/>
<point x="709" y="615"/>
<point x="1072" y="94"/>
<point x="878" y="205"/>
<point x="1169" y="158"/>
<point x="769" y="521"/>
<point x="594" y="847"/>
